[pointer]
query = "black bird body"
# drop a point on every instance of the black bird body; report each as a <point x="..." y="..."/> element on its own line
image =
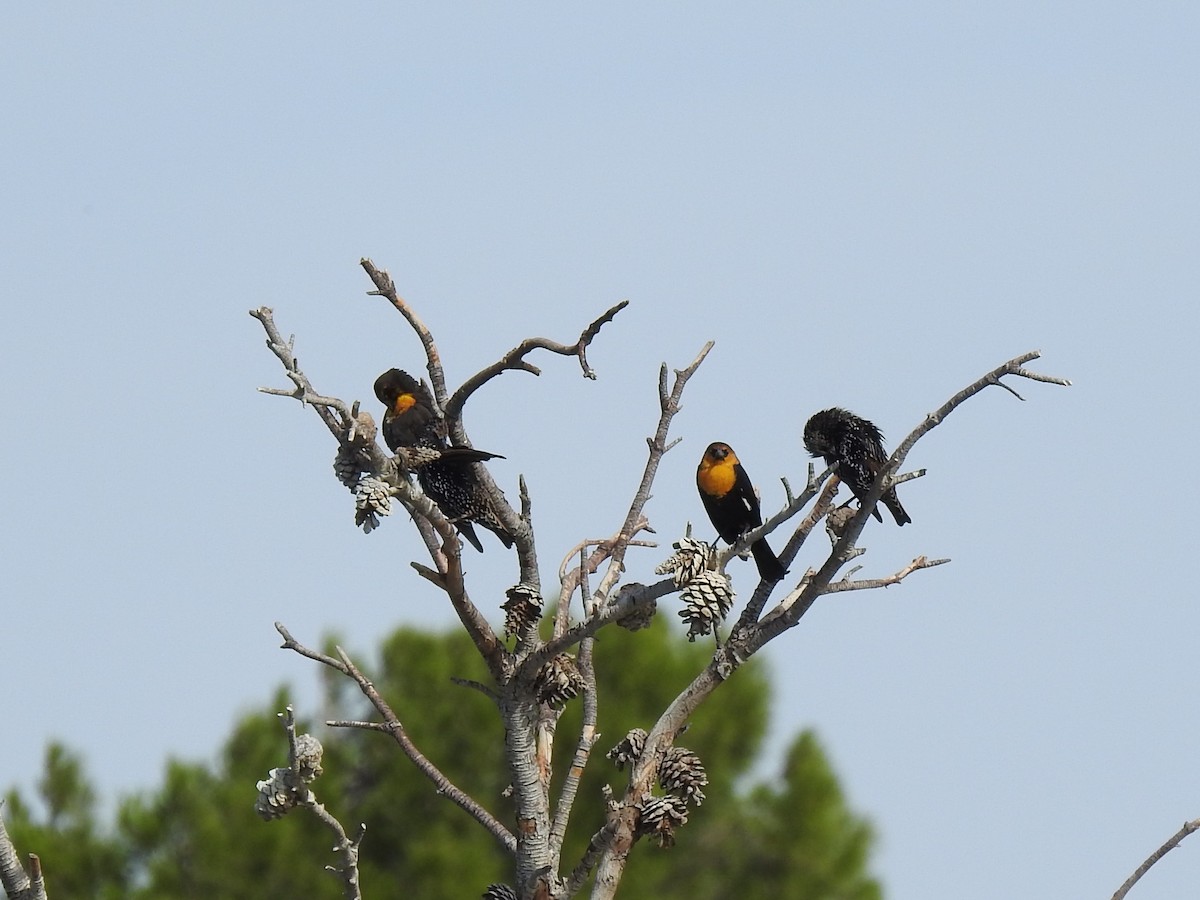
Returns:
<point x="446" y="474"/>
<point x="732" y="506"/>
<point x="856" y="445"/>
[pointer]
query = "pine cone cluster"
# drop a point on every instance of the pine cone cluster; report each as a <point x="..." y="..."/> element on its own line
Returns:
<point x="522" y="609"/>
<point x="687" y="562"/>
<point x="281" y="791"/>
<point x="629" y="748"/>
<point x="558" y="681"/>
<point x="417" y="457"/>
<point x="836" y="522"/>
<point x="372" y="499"/>
<point x="707" y="599"/>
<point x="644" y="608"/>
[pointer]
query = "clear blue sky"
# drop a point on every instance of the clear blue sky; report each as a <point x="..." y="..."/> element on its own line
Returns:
<point x="863" y="205"/>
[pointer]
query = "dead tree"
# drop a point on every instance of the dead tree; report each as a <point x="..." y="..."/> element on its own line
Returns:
<point x="532" y="679"/>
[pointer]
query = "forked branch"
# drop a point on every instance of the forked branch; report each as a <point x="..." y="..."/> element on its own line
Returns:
<point x="340" y="424"/>
<point x="514" y="359"/>
<point x="752" y="636"/>
<point x="866" y="584"/>
<point x="669" y="405"/>
<point x="305" y="767"/>
<point x="392" y="725"/>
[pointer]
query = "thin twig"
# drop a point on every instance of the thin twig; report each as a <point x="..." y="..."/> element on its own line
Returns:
<point x="514" y="359"/>
<point x="303" y="390"/>
<point x="363" y="726"/>
<point x="290" y="643"/>
<point x="624" y="603"/>
<point x="600" y="843"/>
<point x="670" y="407"/>
<point x="570" y="579"/>
<point x="385" y="287"/>
<point x="765" y="588"/>
<point x="345" y="846"/>
<point x="1171" y="844"/>
<point x="845" y="584"/>
<point x="391" y="723"/>
<point x="443" y="784"/>
<point x="587" y="729"/>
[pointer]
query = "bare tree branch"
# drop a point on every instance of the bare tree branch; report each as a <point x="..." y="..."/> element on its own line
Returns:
<point x="747" y="640"/>
<point x="570" y="579"/>
<point x="765" y="588"/>
<point x="16" y="883"/>
<point x="626" y="602"/>
<point x="670" y="407"/>
<point x="514" y="359"/>
<point x="845" y="584"/>
<point x="385" y="287"/>
<point x="391" y="723"/>
<point x="600" y="843"/>
<point x="538" y="835"/>
<point x="1171" y="844"/>
<point x="346" y="847"/>
<point x="587" y="734"/>
<point x="782" y="619"/>
<point x="440" y="537"/>
<point x="303" y="390"/>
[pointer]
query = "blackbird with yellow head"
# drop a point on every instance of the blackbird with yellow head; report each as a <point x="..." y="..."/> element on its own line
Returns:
<point x="410" y="419"/>
<point x="446" y="474"/>
<point x="732" y="505"/>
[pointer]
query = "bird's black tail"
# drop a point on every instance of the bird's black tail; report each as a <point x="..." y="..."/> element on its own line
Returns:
<point x="468" y="531"/>
<point x="892" y="502"/>
<point x="769" y="566"/>
<point x="493" y="525"/>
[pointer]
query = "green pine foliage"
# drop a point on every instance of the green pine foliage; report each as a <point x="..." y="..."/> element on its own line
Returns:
<point x="197" y="835"/>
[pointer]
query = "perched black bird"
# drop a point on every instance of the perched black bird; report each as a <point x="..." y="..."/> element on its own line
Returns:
<point x="446" y="474"/>
<point x="732" y="505"/>
<point x="856" y="445"/>
<point x="411" y="419"/>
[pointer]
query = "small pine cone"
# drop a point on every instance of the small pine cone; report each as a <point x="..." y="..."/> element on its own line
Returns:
<point x="687" y="562"/>
<point x="348" y="465"/>
<point x="499" y="892"/>
<point x="629" y="748"/>
<point x="417" y="456"/>
<point x="364" y="429"/>
<point x="836" y="522"/>
<point x="682" y="774"/>
<point x="641" y="617"/>
<point x="276" y="795"/>
<point x="660" y="817"/>
<point x="558" y="681"/>
<point x="372" y="499"/>
<point x="642" y="609"/>
<point x="706" y="602"/>
<point x="522" y="609"/>
<point x="308" y="755"/>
